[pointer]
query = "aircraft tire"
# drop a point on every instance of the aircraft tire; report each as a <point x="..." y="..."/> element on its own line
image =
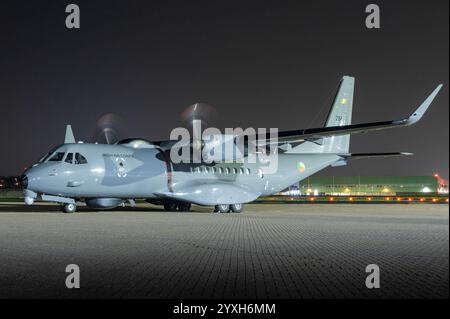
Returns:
<point x="223" y="208"/>
<point x="170" y="206"/>
<point x="237" y="208"/>
<point x="69" y="208"/>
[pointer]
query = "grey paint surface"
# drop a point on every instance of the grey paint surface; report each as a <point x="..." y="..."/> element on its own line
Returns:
<point x="130" y="170"/>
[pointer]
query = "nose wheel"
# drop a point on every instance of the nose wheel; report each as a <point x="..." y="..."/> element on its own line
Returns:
<point x="69" y="208"/>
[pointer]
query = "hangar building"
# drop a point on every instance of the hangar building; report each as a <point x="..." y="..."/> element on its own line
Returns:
<point x="368" y="185"/>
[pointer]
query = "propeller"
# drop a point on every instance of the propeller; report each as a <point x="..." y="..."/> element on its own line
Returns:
<point x="203" y="112"/>
<point x="195" y="118"/>
<point x="109" y="128"/>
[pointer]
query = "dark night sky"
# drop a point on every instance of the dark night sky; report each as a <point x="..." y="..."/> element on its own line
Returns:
<point x="259" y="63"/>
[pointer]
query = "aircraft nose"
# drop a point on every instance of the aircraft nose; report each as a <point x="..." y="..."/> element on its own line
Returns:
<point x="24" y="181"/>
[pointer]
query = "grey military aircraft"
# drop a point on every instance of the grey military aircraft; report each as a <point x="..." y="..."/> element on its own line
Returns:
<point x="103" y="176"/>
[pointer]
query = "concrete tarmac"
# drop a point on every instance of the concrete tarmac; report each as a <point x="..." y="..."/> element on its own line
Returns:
<point x="269" y="251"/>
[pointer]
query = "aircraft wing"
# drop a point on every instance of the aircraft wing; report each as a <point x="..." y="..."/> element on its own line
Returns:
<point x="296" y="136"/>
<point x="318" y="133"/>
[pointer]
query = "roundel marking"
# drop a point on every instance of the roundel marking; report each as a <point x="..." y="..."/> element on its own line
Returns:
<point x="301" y="167"/>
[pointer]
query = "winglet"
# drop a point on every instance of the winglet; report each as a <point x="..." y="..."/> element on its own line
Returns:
<point x="69" y="138"/>
<point x="417" y="115"/>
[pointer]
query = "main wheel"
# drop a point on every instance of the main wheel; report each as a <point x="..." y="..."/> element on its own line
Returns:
<point x="236" y="208"/>
<point x="184" y="207"/>
<point x="170" y="206"/>
<point x="223" y="208"/>
<point x="69" y="208"/>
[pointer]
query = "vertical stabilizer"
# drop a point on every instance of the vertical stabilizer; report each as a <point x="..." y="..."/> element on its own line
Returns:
<point x="340" y="114"/>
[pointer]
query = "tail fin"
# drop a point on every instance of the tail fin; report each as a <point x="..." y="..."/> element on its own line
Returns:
<point x="340" y="114"/>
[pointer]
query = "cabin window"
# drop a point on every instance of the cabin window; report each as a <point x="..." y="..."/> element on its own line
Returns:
<point x="213" y="170"/>
<point x="69" y="158"/>
<point x="241" y="171"/>
<point x="206" y="170"/>
<point x="80" y="159"/>
<point x="235" y="170"/>
<point x="248" y="171"/>
<point x="228" y="170"/>
<point x="220" y="170"/>
<point x="58" y="157"/>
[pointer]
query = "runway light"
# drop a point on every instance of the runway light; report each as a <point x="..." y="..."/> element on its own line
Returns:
<point x="351" y="199"/>
<point x="422" y="199"/>
<point x="369" y="198"/>
<point x="398" y="199"/>
<point x="434" y="200"/>
<point x="446" y="200"/>
<point x="331" y="199"/>
<point x="311" y="198"/>
<point x="409" y="199"/>
<point x="387" y="198"/>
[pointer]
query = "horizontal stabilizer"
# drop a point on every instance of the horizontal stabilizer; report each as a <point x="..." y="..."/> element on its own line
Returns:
<point x="372" y="155"/>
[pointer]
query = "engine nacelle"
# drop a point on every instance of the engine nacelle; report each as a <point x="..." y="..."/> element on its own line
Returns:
<point x="221" y="148"/>
<point x="103" y="203"/>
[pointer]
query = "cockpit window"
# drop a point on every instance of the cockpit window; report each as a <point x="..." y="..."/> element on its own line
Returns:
<point x="52" y="151"/>
<point x="80" y="159"/>
<point x="43" y="159"/>
<point x="58" y="157"/>
<point x="69" y="158"/>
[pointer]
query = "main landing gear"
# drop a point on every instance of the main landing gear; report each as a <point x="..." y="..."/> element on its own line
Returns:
<point x="224" y="208"/>
<point x="69" y="208"/>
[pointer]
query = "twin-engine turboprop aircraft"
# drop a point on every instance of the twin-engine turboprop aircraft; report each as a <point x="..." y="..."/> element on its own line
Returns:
<point x="105" y="176"/>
